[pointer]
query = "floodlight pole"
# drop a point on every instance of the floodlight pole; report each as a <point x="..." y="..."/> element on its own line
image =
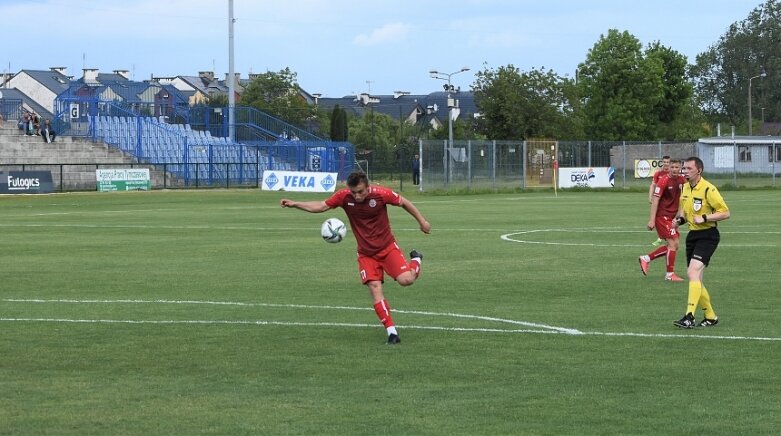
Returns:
<point x="450" y="104"/>
<point x="231" y="77"/>
<point x="750" y="120"/>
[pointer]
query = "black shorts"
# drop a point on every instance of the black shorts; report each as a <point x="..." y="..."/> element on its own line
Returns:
<point x="700" y="244"/>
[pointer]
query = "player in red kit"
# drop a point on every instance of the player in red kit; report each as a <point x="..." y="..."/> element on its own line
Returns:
<point x="664" y="207"/>
<point x="378" y="252"/>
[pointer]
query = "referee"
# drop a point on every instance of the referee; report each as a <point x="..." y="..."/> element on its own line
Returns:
<point x="702" y="207"/>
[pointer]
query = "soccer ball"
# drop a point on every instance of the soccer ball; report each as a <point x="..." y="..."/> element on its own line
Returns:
<point x="333" y="230"/>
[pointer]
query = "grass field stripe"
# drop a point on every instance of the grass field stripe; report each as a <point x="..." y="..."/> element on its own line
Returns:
<point x="682" y="335"/>
<point x="295" y="306"/>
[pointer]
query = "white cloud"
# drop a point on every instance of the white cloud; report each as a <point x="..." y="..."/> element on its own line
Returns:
<point x="391" y="32"/>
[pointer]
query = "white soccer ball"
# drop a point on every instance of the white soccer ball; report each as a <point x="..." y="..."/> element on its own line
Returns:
<point x="333" y="230"/>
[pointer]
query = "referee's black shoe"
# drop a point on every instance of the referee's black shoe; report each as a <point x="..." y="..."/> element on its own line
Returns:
<point x="687" y="322"/>
<point x="709" y="322"/>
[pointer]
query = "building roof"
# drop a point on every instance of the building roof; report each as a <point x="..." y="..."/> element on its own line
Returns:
<point x="741" y="140"/>
<point x="52" y="80"/>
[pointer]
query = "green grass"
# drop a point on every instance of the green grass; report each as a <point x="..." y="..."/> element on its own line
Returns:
<point x="296" y="349"/>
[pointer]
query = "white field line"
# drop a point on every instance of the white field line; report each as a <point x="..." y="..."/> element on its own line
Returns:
<point x="543" y="328"/>
<point x="293" y="306"/>
<point x="512" y="237"/>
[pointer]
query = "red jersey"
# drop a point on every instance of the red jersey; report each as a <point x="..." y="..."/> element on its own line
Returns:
<point x="369" y="219"/>
<point x="668" y="189"/>
<point x="657" y="175"/>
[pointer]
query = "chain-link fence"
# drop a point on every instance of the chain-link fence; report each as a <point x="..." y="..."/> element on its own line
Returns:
<point x="475" y="165"/>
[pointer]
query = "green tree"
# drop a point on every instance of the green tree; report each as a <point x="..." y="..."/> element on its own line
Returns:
<point x="517" y="105"/>
<point x="218" y="100"/>
<point x="622" y="89"/>
<point x="722" y="73"/>
<point x="278" y="94"/>
<point x="339" y="127"/>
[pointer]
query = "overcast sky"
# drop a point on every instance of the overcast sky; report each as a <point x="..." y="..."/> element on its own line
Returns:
<point x="344" y="47"/>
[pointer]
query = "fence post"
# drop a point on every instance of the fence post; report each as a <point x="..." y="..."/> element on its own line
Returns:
<point x="420" y="176"/>
<point x="735" y="163"/>
<point x="493" y="164"/>
<point x="523" y="166"/>
<point x="623" y="154"/>
<point x="589" y="153"/>
<point x="469" y="165"/>
<point x="773" y="162"/>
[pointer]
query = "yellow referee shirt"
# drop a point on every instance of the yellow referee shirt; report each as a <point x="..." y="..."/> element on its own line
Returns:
<point x="702" y="199"/>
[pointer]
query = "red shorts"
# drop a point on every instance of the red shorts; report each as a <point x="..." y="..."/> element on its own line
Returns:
<point x="665" y="227"/>
<point x="390" y="260"/>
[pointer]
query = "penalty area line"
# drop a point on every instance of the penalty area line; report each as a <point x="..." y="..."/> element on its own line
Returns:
<point x="298" y="306"/>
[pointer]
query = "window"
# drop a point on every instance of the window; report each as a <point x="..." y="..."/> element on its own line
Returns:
<point x="744" y="153"/>
<point x="774" y="156"/>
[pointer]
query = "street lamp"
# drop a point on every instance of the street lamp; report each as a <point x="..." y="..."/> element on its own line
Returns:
<point x="450" y="105"/>
<point x="450" y="102"/>
<point x="750" y="123"/>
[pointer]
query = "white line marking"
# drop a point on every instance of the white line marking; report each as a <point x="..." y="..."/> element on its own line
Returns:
<point x="413" y="327"/>
<point x="509" y="237"/>
<point x="293" y="306"/>
<point x="546" y="329"/>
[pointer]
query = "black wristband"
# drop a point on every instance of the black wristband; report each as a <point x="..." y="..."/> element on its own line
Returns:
<point x="704" y="218"/>
<point x="680" y="220"/>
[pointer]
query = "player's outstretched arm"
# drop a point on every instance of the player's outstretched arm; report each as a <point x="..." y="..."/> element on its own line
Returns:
<point x="425" y="227"/>
<point x="309" y="206"/>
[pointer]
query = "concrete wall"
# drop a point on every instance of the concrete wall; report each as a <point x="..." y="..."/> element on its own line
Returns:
<point x="72" y="161"/>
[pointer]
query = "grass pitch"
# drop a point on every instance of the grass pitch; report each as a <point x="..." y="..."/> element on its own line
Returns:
<point x="219" y="312"/>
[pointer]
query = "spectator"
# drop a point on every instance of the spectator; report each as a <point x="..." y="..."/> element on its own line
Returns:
<point x="47" y="132"/>
<point x="416" y="170"/>
<point x="36" y="124"/>
<point x="24" y="123"/>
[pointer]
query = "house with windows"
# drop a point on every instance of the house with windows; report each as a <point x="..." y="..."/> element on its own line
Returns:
<point x="741" y="154"/>
<point x="41" y="87"/>
<point x="421" y="110"/>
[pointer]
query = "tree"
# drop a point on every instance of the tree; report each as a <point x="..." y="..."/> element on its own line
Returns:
<point x="218" y="100"/>
<point x="518" y="105"/>
<point x="722" y="73"/>
<point x="622" y="88"/>
<point x="339" y="128"/>
<point x="278" y="95"/>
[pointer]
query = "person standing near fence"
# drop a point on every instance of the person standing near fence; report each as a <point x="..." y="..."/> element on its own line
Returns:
<point x="702" y="207"/>
<point x="416" y="170"/>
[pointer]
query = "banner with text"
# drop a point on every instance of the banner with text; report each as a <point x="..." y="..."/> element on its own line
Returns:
<point x="647" y="167"/>
<point x="123" y="179"/>
<point x="298" y="181"/>
<point x="604" y="177"/>
<point x="26" y="182"/>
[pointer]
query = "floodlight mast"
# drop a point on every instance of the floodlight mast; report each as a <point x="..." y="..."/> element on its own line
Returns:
<point x="231" y="77"/>
<point x="763" y="74"/>
<point x="435" y="74"/>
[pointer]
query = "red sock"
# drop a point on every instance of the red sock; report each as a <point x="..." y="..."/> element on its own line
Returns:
<point x="659" y="252"/>
<point x="414" y="266"/>
<point x="383" y="312"/>
<point x="670" y="261"/>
